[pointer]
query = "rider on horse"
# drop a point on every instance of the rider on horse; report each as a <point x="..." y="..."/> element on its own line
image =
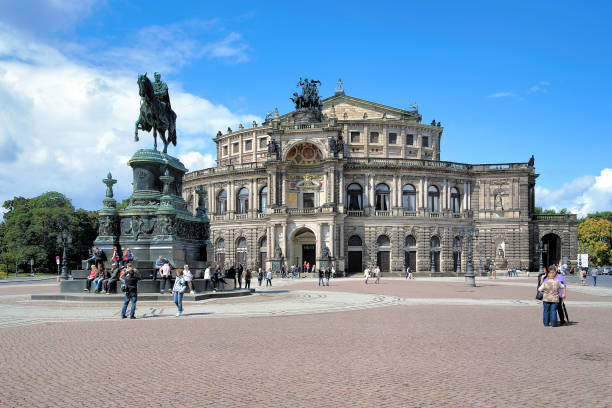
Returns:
<point x="161" y="93"/>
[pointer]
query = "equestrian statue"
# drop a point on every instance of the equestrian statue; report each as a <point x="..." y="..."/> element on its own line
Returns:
<point x="155" y="111"/>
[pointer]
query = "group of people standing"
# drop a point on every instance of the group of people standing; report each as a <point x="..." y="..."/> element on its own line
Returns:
<point x="372" y="272"/>
<point x="553" y="289"/>
<point x="326" y="274"/>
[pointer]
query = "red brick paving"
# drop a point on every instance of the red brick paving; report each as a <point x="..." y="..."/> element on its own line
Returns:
<point x="400" y="356"/>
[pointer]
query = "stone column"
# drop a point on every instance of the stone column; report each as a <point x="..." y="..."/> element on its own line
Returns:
<point x="332" y="187"/>
<point x="341" y="251"/>
<point x="253" y="196"/>
<point x="419" y="197"/>
<point x="283" y="198"/>
<point x="366" y="191"/>
<point x="341" y="187"/>
<point x="443" y="203"/>
<point x="319" y="240"/>
<point x="283" y="243"/>
<point x="372" y="188"/>
<point x="326" y="183"/>
<point x="425" y="192"/>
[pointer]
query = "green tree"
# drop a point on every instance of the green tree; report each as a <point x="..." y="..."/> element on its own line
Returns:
<point x="550" y="211"/>
<point x="31" y="227"/>
<point x="595" y="238"/>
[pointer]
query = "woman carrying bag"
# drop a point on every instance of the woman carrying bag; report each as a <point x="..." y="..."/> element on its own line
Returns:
<point x="178" y="290"/>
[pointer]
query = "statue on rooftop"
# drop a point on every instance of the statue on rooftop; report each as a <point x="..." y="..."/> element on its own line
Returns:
<point x="309" y="99"/>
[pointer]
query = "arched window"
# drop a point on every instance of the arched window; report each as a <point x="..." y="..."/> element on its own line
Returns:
<point x="354" y="194"/>
<point x="410" y="241"/>
<point x="220" y="245"/>
<point x="409" y="198"/>
<point x="241" y="244"/>
<point x="382" y="197"/>
<point x="221" y="202"/>
<point x="263" y="199"/>
<point x="355" y="241"/>
<point x="263" y="243"/>
<point x="242" y="201"/>
<point x="433" y="199"/>
<point x="434" y="243"/>
<point x="454" y="200"/>
<point x="383" y="241"/>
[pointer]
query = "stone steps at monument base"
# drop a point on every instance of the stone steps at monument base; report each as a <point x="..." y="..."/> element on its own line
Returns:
<point x="144" y="285"/>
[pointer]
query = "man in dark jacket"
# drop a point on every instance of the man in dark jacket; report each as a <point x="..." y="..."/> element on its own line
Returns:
<point x="131" y="294"/>
<point x="111" y="282"/>
<point x="239" y="275"/>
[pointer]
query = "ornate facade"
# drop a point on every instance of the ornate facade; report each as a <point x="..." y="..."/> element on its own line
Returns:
<point x="358" y="183"/>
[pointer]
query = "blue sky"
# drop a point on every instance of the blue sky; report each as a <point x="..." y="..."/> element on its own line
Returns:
<point x="506" y="79"/>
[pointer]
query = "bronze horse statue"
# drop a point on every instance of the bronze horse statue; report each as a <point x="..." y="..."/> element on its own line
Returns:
<point x="154" y="115"/>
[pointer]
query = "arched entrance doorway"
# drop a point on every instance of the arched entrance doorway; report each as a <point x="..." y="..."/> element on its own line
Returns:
<point x="434" y="253"/>
<point x="263" y="251"/>
<point x="355" y="254"/>
<point x="410" y="253"/>
<point x="241" y="252"/>
<point x="383" y="256"/>
<point x="220" y="252"/>
<point x="552" y="246"/>
<point x="304" y="244"/>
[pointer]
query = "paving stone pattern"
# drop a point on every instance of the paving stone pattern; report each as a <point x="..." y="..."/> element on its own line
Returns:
<point x="400" y="354"/>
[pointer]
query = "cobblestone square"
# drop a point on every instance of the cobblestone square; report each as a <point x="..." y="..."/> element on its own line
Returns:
<point x="397" y="344"/>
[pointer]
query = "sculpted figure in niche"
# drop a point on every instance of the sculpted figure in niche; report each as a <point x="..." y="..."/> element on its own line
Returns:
<point x="498" y="202"/>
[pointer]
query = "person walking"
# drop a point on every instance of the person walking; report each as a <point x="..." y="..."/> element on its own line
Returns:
<point x="366" y="274"/>
<point x="231" y="274"/>
<point x="583" y="276"/>
<point x="178" y="290"/>
<point x="269" y="278"/>
<point x="321" y="283"/>
<point x="260" y="275"/>
<point x="131" y="293"/>
<point x="377" y="273"/>
<point x="550" y="289"/>
<point x="166" y="277"/>
<point x="594" y="276"/>
<point x="410" y="276"/>
<point x="188" y="276"/>
<point x="247" y="279"/>
<point x="239" y="272"/>
<point x="327" y="275"/>
<point x="206" y="277"/>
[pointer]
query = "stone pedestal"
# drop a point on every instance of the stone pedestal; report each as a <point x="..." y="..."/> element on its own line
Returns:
<point x="156" y="220"/>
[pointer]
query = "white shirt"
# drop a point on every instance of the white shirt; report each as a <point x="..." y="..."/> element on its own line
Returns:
<point x="269" y="275"/>
<point x="207" y="273"/>
<point x="187" y="275"/>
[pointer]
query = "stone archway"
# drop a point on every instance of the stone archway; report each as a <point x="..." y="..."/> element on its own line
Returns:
<point x="303" y="245"/>
<point x="552" y="244"/>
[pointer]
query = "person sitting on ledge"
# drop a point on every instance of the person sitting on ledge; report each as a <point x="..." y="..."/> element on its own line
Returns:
<point x="158" y="265"/>
<point x="90" y="278"/>
<point x="128" y="256"/>
<point x="98" y="280"/>
<point x="110" y="284"/>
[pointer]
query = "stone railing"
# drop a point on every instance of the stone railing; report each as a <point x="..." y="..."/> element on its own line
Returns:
<point x="303" y="211"/>
<point x="230" y="168"/>
<point x="241" y="216"/>
<point x="380" y="213"/>
<point x="354" y="213"/>
<point x="261" y="215"/>
<point x="410" y="213"/>
<point x="435" y="215"/>
<point x="218" y="217"/>
<point x="555" y="217"/>
<point x="422" y="163"/>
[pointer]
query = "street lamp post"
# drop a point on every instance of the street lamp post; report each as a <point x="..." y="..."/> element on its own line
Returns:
<point x="480" y="247"/>
<point x="64" y="239"/>
<point x="458" y="252"/>
<point x="539" y="250"/>
<point x="470" y="279"/>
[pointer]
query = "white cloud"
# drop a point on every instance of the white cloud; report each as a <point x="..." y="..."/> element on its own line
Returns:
<point x="66" y="124"/>
<point x="197" y="160"/>
<point x="501" y="95"/>
<point x="583" y="195"/>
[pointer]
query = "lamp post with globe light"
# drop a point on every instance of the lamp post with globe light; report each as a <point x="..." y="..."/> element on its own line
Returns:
<point x="64" y="239"/>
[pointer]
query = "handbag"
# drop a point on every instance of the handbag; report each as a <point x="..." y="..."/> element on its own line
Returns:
<point x="539" y="295"/>
<point x="124" y="287"/>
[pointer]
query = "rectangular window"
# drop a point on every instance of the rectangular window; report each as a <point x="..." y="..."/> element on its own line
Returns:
<point x="409" y="140"/>
<point x="355" y="137"/>
<point x="392" y="138"/>
<point x="308" y="200"/>
<point x="373" y="137"/>
<point x="425" y="141"/>
<point x="225" y="150"/>
<point x="248" y="145"/>
<point x="235" y="148"/>
<point x="263" y="143"/>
